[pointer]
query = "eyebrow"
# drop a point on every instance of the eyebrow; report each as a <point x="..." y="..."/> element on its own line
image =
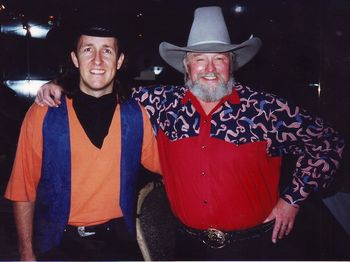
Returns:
<point x="199" y="54"/>
<point x="91" y="45"/>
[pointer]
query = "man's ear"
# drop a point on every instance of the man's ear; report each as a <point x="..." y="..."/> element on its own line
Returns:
<point x="74" y="59"/>
<point x="185" y="64"/>
<point x="120" y="61"/>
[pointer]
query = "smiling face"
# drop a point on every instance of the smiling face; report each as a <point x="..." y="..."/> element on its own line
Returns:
<point x="98" y="61"/>
<point x="209" y="68"/>
<point x="209" y="75"/>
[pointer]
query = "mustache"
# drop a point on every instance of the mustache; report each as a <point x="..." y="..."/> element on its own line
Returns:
<point x="209" y="75"/>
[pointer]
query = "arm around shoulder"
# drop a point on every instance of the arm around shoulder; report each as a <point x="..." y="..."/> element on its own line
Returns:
<point x="150" y="155"/>
<point x="49" y="94"/>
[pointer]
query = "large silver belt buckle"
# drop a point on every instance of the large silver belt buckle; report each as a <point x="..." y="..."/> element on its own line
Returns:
<point x="214" y="238"/>
<point x="83" y="233"/>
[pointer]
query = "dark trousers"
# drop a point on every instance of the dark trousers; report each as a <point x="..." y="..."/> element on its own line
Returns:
<point x="259" y="248"/>
<point x="111" y="241"/>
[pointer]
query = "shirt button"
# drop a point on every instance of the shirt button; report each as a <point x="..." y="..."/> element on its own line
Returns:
<point x="205" y="201"/>
<point x="203" y="146"/>
<point x="205" y="121"/>
<point x="203" y="173"/>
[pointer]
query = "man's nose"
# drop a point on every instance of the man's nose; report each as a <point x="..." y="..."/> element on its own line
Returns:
<point x="97" y="58"/>
<point x="210" y="66"/>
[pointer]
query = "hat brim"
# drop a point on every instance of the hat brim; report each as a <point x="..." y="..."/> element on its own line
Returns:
<point x="244" y="52"/>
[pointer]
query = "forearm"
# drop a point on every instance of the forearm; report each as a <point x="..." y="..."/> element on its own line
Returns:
<point x="24" y="213"/>
<point x="316" y="168"/>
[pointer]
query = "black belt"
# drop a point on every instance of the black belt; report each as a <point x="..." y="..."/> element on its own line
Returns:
<point x="85" y="231"/>
<point x="215" y="238"/>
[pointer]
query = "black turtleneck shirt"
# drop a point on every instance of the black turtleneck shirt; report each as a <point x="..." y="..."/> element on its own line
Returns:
<point x="95" y="114"/>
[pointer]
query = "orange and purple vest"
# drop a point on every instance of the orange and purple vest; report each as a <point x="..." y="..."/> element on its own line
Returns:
<point x="52" y="206"/>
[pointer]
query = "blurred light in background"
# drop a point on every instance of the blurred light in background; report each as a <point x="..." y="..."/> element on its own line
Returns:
<point x="239" y="8"/>
<point x="27" y="88"/>
<point x="157" y="70"/>
<point x="16" y="27"/>
<point x="318" y="86"/>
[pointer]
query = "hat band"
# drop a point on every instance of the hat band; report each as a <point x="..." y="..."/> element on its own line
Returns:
<point x="208" y="42"/>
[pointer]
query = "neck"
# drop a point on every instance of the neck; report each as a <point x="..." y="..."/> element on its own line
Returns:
<point x="97" y="93"/>
<point x="208" y="106"/>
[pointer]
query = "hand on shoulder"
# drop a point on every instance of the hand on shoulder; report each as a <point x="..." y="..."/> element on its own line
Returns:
<point x="49" y="94"/>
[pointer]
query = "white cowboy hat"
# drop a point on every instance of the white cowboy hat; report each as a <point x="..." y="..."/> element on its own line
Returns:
<point x="209" y="35"/>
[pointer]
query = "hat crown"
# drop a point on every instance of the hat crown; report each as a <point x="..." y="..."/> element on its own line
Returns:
<point x="209" y="34"/>
<point x="208" y="27"/>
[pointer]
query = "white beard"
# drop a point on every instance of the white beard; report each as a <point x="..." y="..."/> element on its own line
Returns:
<point x="210" y="93"/>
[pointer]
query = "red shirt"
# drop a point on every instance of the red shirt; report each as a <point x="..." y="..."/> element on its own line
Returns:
<point x="217" y="184"/>
<point x="222" y="170"/>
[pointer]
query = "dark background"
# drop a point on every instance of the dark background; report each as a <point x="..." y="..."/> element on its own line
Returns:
<point x="305" y="58"/>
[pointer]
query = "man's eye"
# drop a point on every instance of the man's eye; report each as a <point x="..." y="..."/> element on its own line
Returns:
<point x="87" y="49"/>
<point x="223" y="58"/>
<point x="108" y="51"/>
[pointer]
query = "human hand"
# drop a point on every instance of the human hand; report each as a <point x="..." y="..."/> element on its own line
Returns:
<point x="49" y="94"/>
<point x="284" y="215"/>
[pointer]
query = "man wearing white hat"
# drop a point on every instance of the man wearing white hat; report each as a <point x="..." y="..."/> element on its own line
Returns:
<point x="221" y="145"/>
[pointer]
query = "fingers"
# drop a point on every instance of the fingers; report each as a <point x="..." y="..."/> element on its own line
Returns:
<point x="38" y="100"/>
<point x="48" y="94"/>
<point x="289" y="228"/>
<point x="284" y="214"/>
<point x="56" y="93"/>
<point x="48" y="97"/>
<point x="275" y="232"/>
<point x="281" y="229"/>
<point x="276" y="227"/>
<point x="43" y="96"/>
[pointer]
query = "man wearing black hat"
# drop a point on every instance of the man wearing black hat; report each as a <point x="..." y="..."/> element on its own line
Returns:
<point x="74" y="177"/>
<point x="221" y="145"/>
